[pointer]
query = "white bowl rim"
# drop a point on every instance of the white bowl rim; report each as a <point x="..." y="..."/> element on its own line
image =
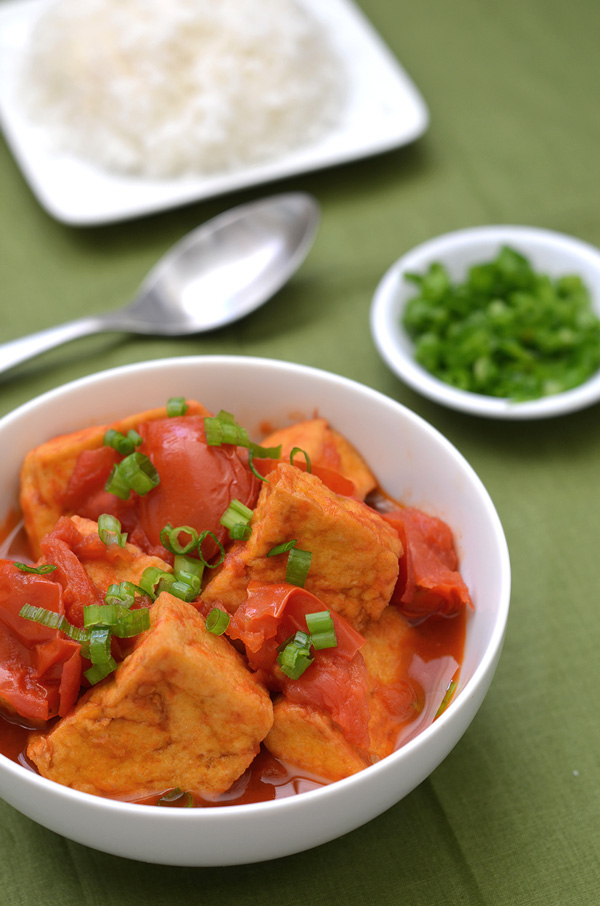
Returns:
<point x="480" y="677"/>
<point x="385" y="328"/>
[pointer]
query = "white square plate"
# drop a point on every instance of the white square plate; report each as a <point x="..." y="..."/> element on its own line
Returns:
<point x="384" y="110"/>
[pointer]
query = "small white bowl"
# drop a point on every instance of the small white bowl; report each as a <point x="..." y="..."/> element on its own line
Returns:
<point x="549" y="252"/>
<point x="414" y="463"/>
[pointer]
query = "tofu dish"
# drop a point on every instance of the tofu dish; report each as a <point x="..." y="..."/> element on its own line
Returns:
<point x="192" y="618"/>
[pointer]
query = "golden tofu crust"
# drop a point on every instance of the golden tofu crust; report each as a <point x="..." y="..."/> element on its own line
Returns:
<point x="355" y="553"/>
<point x="181" y="711"/>
<point x="325" y="447"/>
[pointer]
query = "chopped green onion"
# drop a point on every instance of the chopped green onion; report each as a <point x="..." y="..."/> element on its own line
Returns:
<point x="186" y="586"/>
<point x="176" y="405"/>
<point x="169" y="537"/>
<point x="117" y="485"/>
<point x="223" y="429"/>
<point x="154" y="580"/>
<point x="37" y="570"/>
<point x="298" y="566"/>
<point x="53" y="620"/>
<point x="282" y="548"/>
<point x="122" y="443"/>
<point x="184" y="564"/>
<point x="295" y="657"/>
<point x="204" y="535"/>
<point x="236" y="512"/>
<point x="447" y="698"/>
<point x="240" y="532"/>
<point x="236" y="518"/>
<point x="265" y="452"/>
<point x="123" y="594"/>
<point x="322" y="630"/>
<point x="253" y="468"/>
<point x="97" y="672"/>
<point x="131" y="622"/>
<point x="100" y="615"/>
<point x="139" y="473"/>
<point x="109" y="530"/>
<point x="217" y="621"/>
<point x="100" y="645"/>
<point x="177" y="797"/>
<point x="304" y="453"/>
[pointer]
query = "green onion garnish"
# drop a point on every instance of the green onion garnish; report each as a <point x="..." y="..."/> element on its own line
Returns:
<point x="176" y="405"/>
<point x="304" y="453"/>
<point x="223" y="429"/>
<point x="122" y="443"/>
<point x="97" y="672"/>
<point x="123" y="594"/>
<point x="183" y="564"/>
<point x="134" y="473"/>
<point x="169" y="538"/>
<point x="100" y="615"/>
<point x="53" y="620"/>
<point x="298" y="563"/>
<point x="177" y="797"/>
<point x="447" y="698"/>
<point x="204" y="535"/>
<point x="154" y="580"/>
<point x="37" y="570"/>
<point x="322" y="631"/>
<point x="298" y="566"/>
<point x="100" y="645"/>
<point x="217" y="621"/>
<point x="282" y="548"/>
<point x="109" y="530"/>
<point x="295" y="657"/>
<point x="236" y="518"/>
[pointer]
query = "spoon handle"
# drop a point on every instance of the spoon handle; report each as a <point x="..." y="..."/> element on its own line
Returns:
<point x="16" y="351"/>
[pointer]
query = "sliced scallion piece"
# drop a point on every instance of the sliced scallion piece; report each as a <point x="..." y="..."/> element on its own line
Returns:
<point x="155" y="580"/>
<point x="122" y="443"/>
<point x="109" y="530"/>
<point x="322" y="630"/>
<point x="237" y="518"/>
<point x="131" y="622"/>
<point x="295" y="657"/>
<point x="99" y="646"/>
<point x="282" y="548"/>
<point x="447" y="698"/>
<point x="139" y="473"/>
<point x="298" y="566"/>
<point x="223" y="429"/>
<point x="304" y="453"/>
<point x="217" y="621"/>
<point x="42" y="570"/>
<point x="169" y="538"/>
<point x="176" y="405"/>
<point x="53" y="620"/>
<point x="98" y="672"/>
<point x="206" y="534"/>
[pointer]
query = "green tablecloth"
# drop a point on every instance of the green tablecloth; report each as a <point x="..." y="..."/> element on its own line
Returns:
<point x="512" y="816"/>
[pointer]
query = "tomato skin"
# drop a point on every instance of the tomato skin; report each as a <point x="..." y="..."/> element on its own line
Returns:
<point x="429" y="582"/>
<point x="197" y="481"/>
<point x="337" y="679"/>
<point x="86" y="495"/>
<point x="40" y="670"/>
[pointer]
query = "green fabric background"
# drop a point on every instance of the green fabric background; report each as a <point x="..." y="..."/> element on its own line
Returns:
<point x="512" y="816"/>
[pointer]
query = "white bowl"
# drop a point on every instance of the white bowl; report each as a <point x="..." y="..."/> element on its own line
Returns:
<point x="549" y="252"/>
<point x="414" y="463"/>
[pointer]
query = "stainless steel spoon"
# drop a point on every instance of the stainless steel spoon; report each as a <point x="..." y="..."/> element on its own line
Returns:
<point x="221" y="271"/>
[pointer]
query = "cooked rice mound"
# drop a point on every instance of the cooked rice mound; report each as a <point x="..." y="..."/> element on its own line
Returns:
<point x="163" y="88"/>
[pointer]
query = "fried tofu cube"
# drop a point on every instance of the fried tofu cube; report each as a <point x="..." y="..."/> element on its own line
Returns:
<point x="309" y="739"/>
<point x="326" y="448"/>
<point x="181" y="711"/>
<point x="47" y="469"/>
<point x="355" y="553"/>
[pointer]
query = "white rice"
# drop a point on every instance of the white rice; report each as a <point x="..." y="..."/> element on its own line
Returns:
<point x="163" y="88"/>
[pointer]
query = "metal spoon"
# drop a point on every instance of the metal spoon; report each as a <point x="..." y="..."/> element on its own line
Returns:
<point x="219" y="272"/>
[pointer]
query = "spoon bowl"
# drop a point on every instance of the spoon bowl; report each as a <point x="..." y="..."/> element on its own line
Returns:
<point x="220" y="272"/>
